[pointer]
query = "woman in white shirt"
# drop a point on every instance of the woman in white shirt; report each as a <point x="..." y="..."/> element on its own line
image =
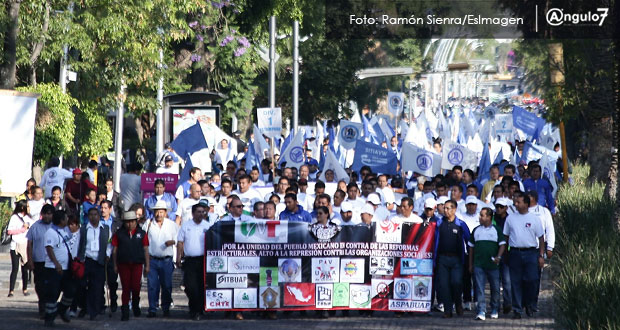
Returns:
<point x="36" y="203"/>
<point x="18" y="227"/>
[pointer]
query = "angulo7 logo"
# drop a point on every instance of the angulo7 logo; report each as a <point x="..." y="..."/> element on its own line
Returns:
<point x="557" y="17"/>
<point x="261" y="232"/>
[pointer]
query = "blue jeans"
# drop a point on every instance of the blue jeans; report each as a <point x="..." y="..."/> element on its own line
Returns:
<point x="160" y="277"/>
<point x="504" y="272"/>
<point x="523" y="278"/>
<point x="449" y="281"/>
<point x="481" y="275"/>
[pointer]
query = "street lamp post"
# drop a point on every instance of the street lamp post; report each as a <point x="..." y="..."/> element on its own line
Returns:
<point x="295" y="75"/>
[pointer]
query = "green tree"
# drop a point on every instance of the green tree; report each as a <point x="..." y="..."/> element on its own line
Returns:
<point x="54" y="125"/>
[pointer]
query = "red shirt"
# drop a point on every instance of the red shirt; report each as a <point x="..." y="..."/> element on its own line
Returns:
<point x="145" y="239"/>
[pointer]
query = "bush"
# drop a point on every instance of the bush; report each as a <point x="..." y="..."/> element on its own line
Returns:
<point x="5" y="212"/>
<point x="587" y="287"/>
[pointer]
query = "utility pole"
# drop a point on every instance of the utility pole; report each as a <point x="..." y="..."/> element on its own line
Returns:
<point x="160" y="110"/>
<point x="118" y="139"/>
<point x="272" y="77"/>
<point x="295" y="75"/>
<point x="556" y="63"/>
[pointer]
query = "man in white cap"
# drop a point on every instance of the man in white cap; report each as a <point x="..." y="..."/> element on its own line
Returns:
<point x="162" y="234"/>
<point x="381" y="212"/>
<point x="440" y="205"/>
<point x="346" y="213"/>
<point x="430" y="205"/>
<point x="407" y="215"/>
<point x="472" y="218"/>
<point x="366" y="215"/>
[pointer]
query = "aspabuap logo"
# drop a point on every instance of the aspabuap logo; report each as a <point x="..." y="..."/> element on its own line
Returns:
<point x="557" y="17"/>
<point x="261" y="232"/>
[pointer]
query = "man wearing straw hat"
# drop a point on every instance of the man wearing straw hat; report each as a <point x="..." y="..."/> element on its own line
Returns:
<point x="162" y="233"/>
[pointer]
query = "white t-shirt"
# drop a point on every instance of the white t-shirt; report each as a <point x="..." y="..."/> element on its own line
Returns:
<point x="523" y="230"/>
<point x="16" y="223"/>
<point x="54" y="239"/>
<point x="35" y="208"/>
<point x="54" y="176"/>
<point x="248" y="198"/>
<point x="193" y="237"/>
<point x="381" y="213"/>
<point x="413" y="218"/>
<point x="186" y="208"/>
<point x="472" y="220"/>
<point x="174" y="169"/>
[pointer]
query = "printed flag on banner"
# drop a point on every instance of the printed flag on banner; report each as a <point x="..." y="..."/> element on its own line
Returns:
<point x="395" y="102"/>
<point x="526" y="121"/>
<point x="503" y="127"/>
<point x="548" y="166"/>
<point x="294" y="155"/>
<point x="349" y="133"/>
<point x="420" y="160"/>
<point x="455" y="154"/>
<point x="549" y="137"/>
<point x="532" y="152"/>
<point x="331" y="163"/>
<point x="379" y="159"/>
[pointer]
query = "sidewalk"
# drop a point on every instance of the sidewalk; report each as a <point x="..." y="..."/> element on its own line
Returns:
<point x="20" y="313"/>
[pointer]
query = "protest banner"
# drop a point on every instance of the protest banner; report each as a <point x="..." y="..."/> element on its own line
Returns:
<point x="420" y="160"/>
<point x="455" y="154"/>
<point x="526" y="121"/>
<point x="293" y="266"/>
<point x="147" y="183"/>
<point x="269" y="121"/>
<point x="379" y="159"/>
<point x="396" y="102"/>
<point x="349" y="133"/>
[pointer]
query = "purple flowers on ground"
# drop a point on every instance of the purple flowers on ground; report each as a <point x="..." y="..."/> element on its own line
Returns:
<point x="243" y="41"/>
<point x="226" y="40"/>
<point x="195" y="58"/>
<point x="240" y="51"/>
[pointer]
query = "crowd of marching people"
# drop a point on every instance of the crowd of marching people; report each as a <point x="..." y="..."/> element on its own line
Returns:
<point x="80" y="238"/>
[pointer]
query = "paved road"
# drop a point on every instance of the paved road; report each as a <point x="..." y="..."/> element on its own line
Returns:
<point x="19" y="313"/>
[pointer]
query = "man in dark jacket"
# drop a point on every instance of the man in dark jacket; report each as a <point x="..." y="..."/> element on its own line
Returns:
<point x="94" y="251"/>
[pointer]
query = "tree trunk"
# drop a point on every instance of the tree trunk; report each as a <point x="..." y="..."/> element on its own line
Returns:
<point x="37" y="47"/>
<point x="600" y="148"/>
<point x="9" y="65"/>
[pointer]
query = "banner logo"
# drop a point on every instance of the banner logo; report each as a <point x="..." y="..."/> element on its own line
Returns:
<point x="409" y="266"/>
<point x="424" y="162"/>
<point x="349" y="133"/>
<point x="245" y="298"/>
<point x="455" y="157"/>
<point x="360" y="296"/>
<point x="381" y="265"/>
<point x="324" y="293"/>
<point x="422" y="288"/>
<point x="352" y="270"/>
<point x="231" y="281"/>
<point x="289" y="270"/>
<point x="402" y="288"/>
<point x="261" y="232"/>
<point x="381" y="288"/>
<point x="269" y="297"/>
<point x="218" y="299"/>
<point x="299" y="294"/>
<point x="237" y="265"/>
<point x="268" y="276"/>
<point x="217" y="264"/>
<point x="296" y="155"/>
<point x="325" y="270"/>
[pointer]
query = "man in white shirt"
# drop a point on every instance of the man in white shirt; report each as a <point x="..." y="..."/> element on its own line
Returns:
<point x="304" y="199"/>
<point x="54" y="176"/>
<point x="407" y="215"/>
<point x="235" y="211"/>
<point x="184" y="212"/>
<point x="386" y="192"/>
<point x="246" y="193"/>
<point x="162" y="234"/>
<point x="471" y="216"/>
<point x="525" y="236"/>
<point x="168" y="167"/>
<point x="57" y="274"/>
<point x="191" y="249"/>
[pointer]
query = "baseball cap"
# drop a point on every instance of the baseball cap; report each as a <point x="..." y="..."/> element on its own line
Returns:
<point x="168" y="158"/>
<point x="430" y="203"/>
<point x="471" y="200"/>
<point x="442" y="200"/>
<point x="374" y="199"/>
<point x="77" y="171"/>
<point x="502" y="201"/>
<point x="368" y="209"/>
<point x="346" y="207"/>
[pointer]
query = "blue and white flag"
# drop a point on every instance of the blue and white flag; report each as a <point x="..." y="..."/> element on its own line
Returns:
<point x="503" y="127"/>
<point x="189" y="141"/>
<point x="453" y="154"/>
<point x="548" y="167"/>
<point x="294" y="154"/>
<point x="421" y="161"/>
<point x="261" y="145"/>
<point x="549" y="136"/>
<point x="396" y="102"/>
<point x="379" y="159"/>
<point x="331" y="163"/>
<point x="349" y="133"/>
<point x="526" y="121"/>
